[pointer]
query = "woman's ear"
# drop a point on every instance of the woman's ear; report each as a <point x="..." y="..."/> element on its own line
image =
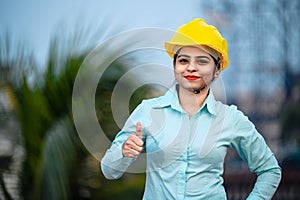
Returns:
<point x="217" y="73"/>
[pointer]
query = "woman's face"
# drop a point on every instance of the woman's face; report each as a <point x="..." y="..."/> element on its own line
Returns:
<point x="194" y="68"/>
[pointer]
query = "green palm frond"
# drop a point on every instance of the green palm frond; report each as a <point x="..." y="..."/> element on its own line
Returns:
<point x="43" y="105"/>
<point x="61" y="156"/>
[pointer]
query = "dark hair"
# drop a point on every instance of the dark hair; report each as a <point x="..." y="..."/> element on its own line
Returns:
<point x="175" y="58"/>
<point x="217" y="62"/>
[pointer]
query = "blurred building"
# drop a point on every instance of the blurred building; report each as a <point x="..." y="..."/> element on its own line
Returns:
<point x="263" y="39"/>
<point x="263" y="76"/>
<point x="264" y="47"/>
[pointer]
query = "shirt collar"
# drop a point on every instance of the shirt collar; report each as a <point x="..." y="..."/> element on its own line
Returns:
<point x="171" y="99"/>
<point x="210" y="103"/>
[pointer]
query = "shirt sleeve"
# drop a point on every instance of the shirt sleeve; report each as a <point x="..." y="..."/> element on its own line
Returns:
<point x="114" y="164"/>
<point x="252" y="148"/>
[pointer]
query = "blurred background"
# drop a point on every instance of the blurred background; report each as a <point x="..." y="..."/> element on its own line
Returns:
<point x="43" y="44"/>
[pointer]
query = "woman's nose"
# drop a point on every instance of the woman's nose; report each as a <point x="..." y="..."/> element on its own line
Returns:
<point x="191" y="67"/>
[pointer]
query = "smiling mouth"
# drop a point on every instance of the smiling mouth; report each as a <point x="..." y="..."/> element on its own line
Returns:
<point x="191" y="78"/>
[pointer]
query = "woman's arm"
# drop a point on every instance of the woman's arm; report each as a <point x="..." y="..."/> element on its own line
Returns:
<point x="119" y="157"/>
<point x="252" y="148"/>
<point x="122" y="153"/>
<point x="114" y="164"/>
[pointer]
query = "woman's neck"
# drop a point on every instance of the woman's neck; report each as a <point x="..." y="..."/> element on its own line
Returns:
<point x="190" y="101"/>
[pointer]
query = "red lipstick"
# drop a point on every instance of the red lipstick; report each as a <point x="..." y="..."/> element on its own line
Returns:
<point x="191" y="78"/>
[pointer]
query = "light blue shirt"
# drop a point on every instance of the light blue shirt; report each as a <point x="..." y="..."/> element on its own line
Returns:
<point x="185" y="156"/>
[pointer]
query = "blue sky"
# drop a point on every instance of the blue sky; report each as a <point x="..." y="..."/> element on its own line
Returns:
<point x="36" y="22"/>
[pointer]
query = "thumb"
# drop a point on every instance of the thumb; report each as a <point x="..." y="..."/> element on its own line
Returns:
<point x="139" y="130"/>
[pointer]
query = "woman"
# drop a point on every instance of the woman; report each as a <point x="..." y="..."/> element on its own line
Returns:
<point x="186" y="132"/>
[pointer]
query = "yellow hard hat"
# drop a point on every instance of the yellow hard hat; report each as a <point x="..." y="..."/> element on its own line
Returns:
<point x="198" y="32"/>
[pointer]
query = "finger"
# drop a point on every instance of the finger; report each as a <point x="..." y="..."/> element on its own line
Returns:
<point x="134" y="140"/>
<point x="138" y="141"/>
<point x="130" y="153"/>
<point x="139" y="130"/>
<point x="134" y="143"/>
<point x="134" y="152"/>
<point x="136" y="147"/>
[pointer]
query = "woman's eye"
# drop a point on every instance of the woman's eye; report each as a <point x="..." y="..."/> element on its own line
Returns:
<point x="203" y="62"/>
<point x="183" y="61"/>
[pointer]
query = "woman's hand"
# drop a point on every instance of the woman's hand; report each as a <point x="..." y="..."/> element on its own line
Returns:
<point x="134" y="143"/>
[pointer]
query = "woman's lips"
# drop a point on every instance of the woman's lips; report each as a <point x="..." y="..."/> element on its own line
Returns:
<point x="191" y="78"/>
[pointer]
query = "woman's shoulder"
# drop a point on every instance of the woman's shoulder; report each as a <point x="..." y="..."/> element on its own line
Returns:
<point x="225" y="106"/>
<point x="229" y="109"/>
<point x="155" y="101"/>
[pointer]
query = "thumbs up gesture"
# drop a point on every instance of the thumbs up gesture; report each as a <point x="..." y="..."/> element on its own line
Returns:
<point x="134" y="143"/>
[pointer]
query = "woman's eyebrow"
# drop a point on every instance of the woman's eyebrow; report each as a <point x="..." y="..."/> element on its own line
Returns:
<point x="183" y="55"/>
<point x="202" y="57"/>
<point x="187" y="56"/>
